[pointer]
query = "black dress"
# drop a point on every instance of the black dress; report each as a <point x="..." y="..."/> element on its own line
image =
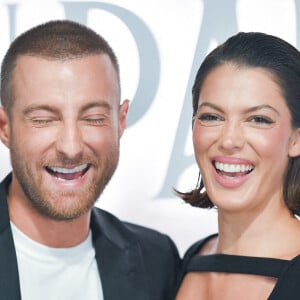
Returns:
<point x="287" y="272"/>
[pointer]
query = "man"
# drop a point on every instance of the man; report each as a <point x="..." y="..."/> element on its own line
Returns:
<point x="61" y="119"/>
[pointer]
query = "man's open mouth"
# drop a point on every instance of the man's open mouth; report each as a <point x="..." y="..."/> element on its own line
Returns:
<point x="68" y="173"/>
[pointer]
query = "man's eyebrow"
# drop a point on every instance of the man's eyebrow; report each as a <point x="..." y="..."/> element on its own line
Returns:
<point x="97" y="104"/>
<point x="34" y="107"/>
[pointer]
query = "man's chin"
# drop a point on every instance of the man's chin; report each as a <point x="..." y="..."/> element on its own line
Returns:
<point x="66" y="212"/>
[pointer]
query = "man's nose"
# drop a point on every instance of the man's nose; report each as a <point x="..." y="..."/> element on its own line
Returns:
<point x="69" y="140"/>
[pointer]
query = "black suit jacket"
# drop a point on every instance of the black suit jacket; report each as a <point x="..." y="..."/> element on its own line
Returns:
<point x="135" y="263"/>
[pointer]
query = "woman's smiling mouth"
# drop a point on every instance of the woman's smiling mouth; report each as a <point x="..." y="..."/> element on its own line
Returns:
<point x="232" y="170"/>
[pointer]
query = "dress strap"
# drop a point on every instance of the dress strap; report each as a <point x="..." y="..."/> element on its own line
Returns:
<point x="270" y="267"/>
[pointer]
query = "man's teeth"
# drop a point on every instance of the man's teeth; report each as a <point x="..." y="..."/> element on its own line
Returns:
<point x="68" y="171"/>
<point x="233" y="168"/>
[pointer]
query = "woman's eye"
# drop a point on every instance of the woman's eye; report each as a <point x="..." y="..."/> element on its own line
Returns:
<point x="210" y="119"/>
<point x="261" y="120"/>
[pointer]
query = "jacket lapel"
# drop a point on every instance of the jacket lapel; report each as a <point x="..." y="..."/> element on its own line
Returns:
<point x="9" y="275"/>
<point x="119" y="260"/>
<point x="118" y="256"/>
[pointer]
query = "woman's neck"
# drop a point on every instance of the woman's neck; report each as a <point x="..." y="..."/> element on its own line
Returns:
<point x="268" y="233"/>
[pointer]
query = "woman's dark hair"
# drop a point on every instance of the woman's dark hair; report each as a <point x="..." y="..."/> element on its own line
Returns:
<point x="282" y="60"/>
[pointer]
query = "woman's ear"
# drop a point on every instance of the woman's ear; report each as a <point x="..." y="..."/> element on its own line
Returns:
<point x="4" y="127"/>
<point x="294" y="150"/>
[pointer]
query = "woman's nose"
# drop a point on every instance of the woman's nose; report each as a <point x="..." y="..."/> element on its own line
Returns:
<point x="232" y="136"/>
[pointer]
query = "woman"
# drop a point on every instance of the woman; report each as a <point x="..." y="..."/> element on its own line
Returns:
<point x="246" y="136"/>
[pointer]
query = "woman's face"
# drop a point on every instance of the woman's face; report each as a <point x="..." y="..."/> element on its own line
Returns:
<point x="243" y="137"/>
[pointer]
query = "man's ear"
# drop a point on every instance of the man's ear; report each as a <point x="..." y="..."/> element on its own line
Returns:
<point x="123" y="116"/>
<point x="4" y="127"/>
<point x="294" y="149"/>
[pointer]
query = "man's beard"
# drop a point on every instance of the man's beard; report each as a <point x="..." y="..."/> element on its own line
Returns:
<point x="63" y="205"/>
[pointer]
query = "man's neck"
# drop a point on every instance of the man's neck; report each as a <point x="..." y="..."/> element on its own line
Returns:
<point x="44" y="230"/>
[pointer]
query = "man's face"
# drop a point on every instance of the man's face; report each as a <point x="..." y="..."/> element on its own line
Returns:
<point x="63" y="132"/>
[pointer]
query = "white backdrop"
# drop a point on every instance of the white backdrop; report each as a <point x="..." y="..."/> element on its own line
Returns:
<point x="160" y="45"/>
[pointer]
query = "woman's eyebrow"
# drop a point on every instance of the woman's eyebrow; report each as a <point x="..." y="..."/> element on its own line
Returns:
<point x="263" y="106"/>
<point x="248" y="110"/>
<point x="211" y="105"/>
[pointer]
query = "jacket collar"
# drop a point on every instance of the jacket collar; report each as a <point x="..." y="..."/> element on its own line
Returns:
<point x="119" y="258"/>
<point x="4" y="220"/>
<point x="9" y="275"/>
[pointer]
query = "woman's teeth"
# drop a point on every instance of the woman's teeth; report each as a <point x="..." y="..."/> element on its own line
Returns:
<point x="233" y="168"/>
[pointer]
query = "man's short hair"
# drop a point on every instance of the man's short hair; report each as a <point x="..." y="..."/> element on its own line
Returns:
<point x="57" y="40"/>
